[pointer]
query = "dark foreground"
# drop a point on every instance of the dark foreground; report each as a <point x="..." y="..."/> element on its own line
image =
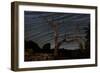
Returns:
<point x="43" y="54"/>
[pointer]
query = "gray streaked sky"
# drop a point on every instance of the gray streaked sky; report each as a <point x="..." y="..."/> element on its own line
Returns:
<point x="38" y="30"/>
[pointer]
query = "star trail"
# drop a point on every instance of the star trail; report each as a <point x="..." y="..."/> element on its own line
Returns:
<point x="37" y="28"/>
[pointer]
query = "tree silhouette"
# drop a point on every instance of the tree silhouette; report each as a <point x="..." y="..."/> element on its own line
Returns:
<point x="32" y="45"/>
<point x="46" y="46"/>
<point x="87" y="46"/>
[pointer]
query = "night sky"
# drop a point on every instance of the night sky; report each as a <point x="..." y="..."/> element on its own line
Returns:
<point x="38" y="30"/>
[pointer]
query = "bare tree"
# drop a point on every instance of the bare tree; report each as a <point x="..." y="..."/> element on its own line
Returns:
<point x="76" y="38"/>
<point x="54" y="26"/>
